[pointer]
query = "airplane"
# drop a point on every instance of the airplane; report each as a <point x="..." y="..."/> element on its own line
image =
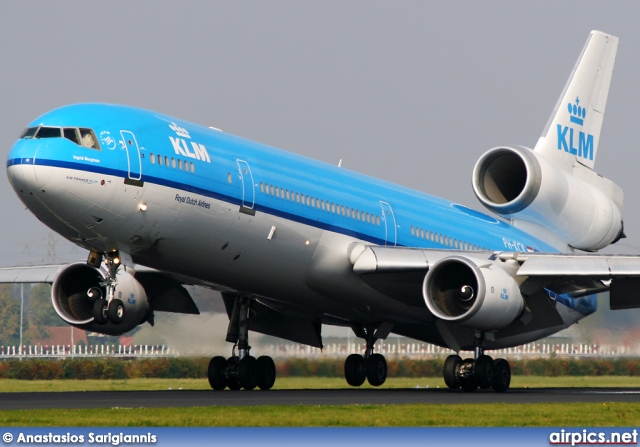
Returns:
<point x="292" y="243"/>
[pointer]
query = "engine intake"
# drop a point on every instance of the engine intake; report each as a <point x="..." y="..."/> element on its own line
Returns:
<point x="584" y="209"/>
<point x="472" y="292"/>
<point x="78" y="285"/>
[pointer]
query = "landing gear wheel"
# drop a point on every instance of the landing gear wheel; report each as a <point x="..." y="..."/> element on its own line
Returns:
<point x="468" y="381"/>
<point x="354" y="370"/>
<point x="115" y="311"/>
<point x="248" y="373"/>
<point x="376" y="367"/>
<point x="215" y="373"/>
<point x="232" y="373"/>
<point x="483" y="371"/>
<point x="100" y="311"/>
<point x="501" y="375"/>
<point x="266" y="372"/>
<point x="451" y="365"/>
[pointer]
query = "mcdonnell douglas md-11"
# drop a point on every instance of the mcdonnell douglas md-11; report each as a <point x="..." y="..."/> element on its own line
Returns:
<point x="293" y="244"/>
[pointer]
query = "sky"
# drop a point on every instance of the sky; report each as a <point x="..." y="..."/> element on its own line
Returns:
<point x="413" y="92"/>
<point x="410" y="92"/>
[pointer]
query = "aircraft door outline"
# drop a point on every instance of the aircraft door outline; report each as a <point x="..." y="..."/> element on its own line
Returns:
<point x="134" y="160"/>
<point x="248" y="188"/>
<point x="390" y="228"/>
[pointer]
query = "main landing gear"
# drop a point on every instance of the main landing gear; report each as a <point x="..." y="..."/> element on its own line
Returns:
<point x="481" y="372"/>
<point x="242" y="370"/>
<point x="109" y="309"/>
<point x="372" y="367"/>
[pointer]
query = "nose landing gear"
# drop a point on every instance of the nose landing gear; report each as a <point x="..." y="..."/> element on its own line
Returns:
<point x="109" y="309"/>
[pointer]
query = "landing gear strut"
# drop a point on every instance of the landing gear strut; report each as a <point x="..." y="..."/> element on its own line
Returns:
<point x="106" y="309"/>
<point x="372" y="367"/>
<point x="241" y="370"/>
<point x="481" y="372"/>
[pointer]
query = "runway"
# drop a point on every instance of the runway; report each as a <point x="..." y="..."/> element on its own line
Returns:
<point x="179" y="398"/>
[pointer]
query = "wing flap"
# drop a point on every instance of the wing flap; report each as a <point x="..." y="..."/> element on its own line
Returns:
<point x="594" y="266"/>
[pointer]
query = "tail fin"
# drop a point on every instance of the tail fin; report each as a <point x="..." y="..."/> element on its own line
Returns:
<point x="573" y="130"/>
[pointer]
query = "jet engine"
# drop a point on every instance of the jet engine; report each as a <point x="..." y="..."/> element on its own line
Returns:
<point x="78" y="285"/>
<point x="472" y="292"/>
<point x="583" y="208"/>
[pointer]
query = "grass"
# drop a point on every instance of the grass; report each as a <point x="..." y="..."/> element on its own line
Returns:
<point x="292" y="383"/>
<point x="420" y="415"/>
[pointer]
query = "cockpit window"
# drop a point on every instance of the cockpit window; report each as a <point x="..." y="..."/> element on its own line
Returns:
<point x="81" y="136"/>
<point x="48" y="132"/>
<point x="29" y="132"/>
<point x="89" y="139"/>
<point x="71" y="134"/>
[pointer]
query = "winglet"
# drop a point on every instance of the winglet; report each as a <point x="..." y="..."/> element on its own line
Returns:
<point x="573" y="130"/>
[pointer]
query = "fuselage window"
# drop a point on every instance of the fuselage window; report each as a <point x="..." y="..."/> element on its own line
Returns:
<point x="152" y="157"/>
<point x="378" y="220"/>
<point x="173" y="162"/>
<point x="160" y="160"/>
<point x="180" y="164"/>
<point x="412" y="231"/>
<point x="288" y="195"/>
<point x="166" y="161"/>
<point x="71" y="133"/>
<point x="298" y="197"/>
<point x="192" y="166"/>
<point x="273" y="192"/>
<point x="229" y="178"/>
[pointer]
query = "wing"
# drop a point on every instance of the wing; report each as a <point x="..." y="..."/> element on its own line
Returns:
<point x="436" y="277"/>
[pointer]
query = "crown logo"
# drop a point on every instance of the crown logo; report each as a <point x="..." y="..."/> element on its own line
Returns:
<point x="577" y="113"/>
<point x="180" y="131"/>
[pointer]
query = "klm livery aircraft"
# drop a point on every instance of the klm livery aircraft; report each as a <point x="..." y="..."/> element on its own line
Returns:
<point x="293" y="243"/>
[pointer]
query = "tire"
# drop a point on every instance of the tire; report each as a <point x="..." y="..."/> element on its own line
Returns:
<point x="354" y="370"/>
<point x="483" y="371"/>
<point x="266" y="372"/>
<point x="115" y="311"/>
<point x="468" y="382"/>
<point x="501" y="375"/>
<point x="100" y="311"/>
<point x="231" y="376"/>
<point x="450" y="371"/>
<point x="376" y="367"/>
<point x="215" y="373"/>
<point x="248" y="373"/>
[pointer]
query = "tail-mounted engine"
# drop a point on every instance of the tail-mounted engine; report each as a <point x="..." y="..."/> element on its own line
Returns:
<point x="472" y="292"/>
<point x="76" y="288"/>
<point x="584" y="209"/>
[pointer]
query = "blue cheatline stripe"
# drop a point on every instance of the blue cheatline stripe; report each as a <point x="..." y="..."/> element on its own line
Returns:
<point x="186" y="187"/>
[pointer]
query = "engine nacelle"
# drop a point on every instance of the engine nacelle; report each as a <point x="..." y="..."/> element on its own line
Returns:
<point x="472" y="292"/>
<point x="71" y="301"/>
<point x="583" y="208"/>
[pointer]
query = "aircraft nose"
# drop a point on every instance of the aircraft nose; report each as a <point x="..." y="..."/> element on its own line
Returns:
<point x="21" y="167"/>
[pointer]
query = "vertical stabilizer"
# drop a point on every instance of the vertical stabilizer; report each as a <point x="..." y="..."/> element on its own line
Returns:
<point x="573" y="130"/>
